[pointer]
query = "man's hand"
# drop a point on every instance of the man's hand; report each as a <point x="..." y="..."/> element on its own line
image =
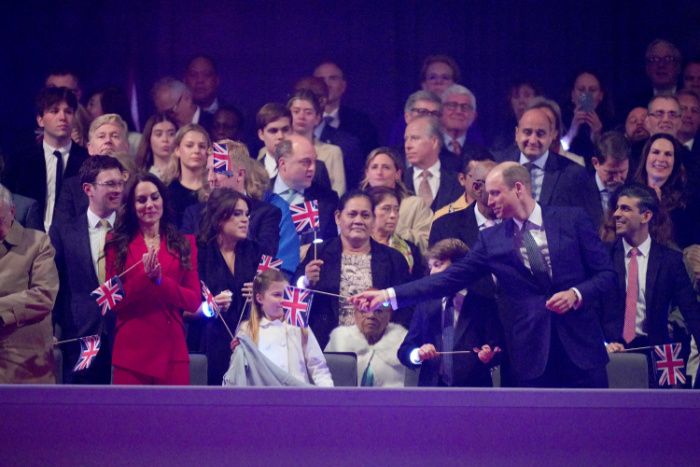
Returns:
<point x="369" y="300"/>
<point x="614" y="347"/>
<point x="486" y="353"/>
<point x="561" y="302"/>
<point x="427" y="352"/>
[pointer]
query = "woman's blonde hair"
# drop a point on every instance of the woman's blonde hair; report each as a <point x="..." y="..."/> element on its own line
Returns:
<point x="175" y="169"/>
<point x="401" y="190"/>
<point x="257" y="180"/>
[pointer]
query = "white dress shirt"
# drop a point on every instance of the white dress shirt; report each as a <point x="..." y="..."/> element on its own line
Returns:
<point x="536" y="173"/>
<point x="288" y="194"/>
<point x="642" y="264"/>
<point x="50" y="164"/>
<point x="97" y="235"/>
<point x="270" y="165"/>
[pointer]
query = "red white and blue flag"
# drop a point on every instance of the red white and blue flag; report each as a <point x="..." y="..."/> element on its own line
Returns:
<point x="305" y="216"/>
<point x="669" y="364"/>
<point x="296" y="305"/>
<point x="89" y="348"/>
<point x="220" y="157"/>
<point x="268" y="262"/>
<point x="209" y="299"/>
<point x="110" y="293"/>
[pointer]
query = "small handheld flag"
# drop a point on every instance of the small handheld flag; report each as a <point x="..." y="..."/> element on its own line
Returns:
<point x="305" y="216"/>
<point x="268" y="262"/>
<point x="110" y="293"/>
<point x="669" y="365"/>
<point x="296" y="305"/>
<point x="89" y="348"/>
<point x="221" y="160"/>
<point x="212" y="308"/>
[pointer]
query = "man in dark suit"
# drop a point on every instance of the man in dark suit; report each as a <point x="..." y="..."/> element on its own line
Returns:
<point x="107" y="136"/>
<point x="611" y="165"/>
<point x="550" y="267"/>
<point x="637" y="311"/>
<point x="427" y="177"/>
<point x="172" y="97"/>
<point x="556" y="181"/>
<point x="39" y="173"/>
<point x="79" y="248"/>
<point x="203" y="81"/>
<point x="340" y="116"/>
<point x="458" y="115"/>
<point x="294" y="183"/>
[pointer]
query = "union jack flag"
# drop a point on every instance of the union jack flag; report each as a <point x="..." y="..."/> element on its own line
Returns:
<point x="268" y="262"/>
<point x="305" y="216"/>
<point x="209" y="298"/>
<point x="110" y="293"/>
<point x="89" y="347"/>
<point x="296" y="305"/>
<point x="221" y="159"/>
<point x="669" y="365"/>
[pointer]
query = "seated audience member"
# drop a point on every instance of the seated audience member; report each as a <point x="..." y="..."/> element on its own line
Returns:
<point x="587" y="115"/>
<point x="274" y="123"/>
<point x="107" y="137"/>
<point x="519" y="96"/>
<point x="375" y="341"/>
<point x="295" y="183"/>
<point x="467" y="177"/>
<point x="438" y="73"/>
<point x="306" y="114"/>
<point x="349" y="145"/>
<point x="227" y="124"/>
<point x="293" y="349"/>
<point x="39" y="172"/>
<point x="348" y="264"/>
<point x="227" y="260"/>
<point x="342" y="117"/>
<point x="174" y="98"/>
<point x="28" y="288"/>
<point x="189" y="163"/>
<point x="247" y="177"/>
<point x="79" y="244"/>
<point x="202" y="79"/>
<point x="458" y="115"/>
<point x="691" y="75"/>
<point x="556" y="180"/>
<point x="434" y="183"/>
<point x="661" y="170"/>
<point x="149" y="341"/>
<point x="386" y="217"/>
<point x="26" y="209"/>
<point x="611" y="165"/>
<point x="156" y="148"/>
<point x="385" y="169"/>
<point x="457" y="323"/>
<point x="690" y="120"/>
<point x="651" y="278"/>
<point x="637" y="134"/>
<point x="113" y="100"/>
<point x="663" y="66"/>
<point x="466" y="223"/>
<point x="68" y="78"/>
<point x="663" y="115"/>
<point x="554" y="112"/>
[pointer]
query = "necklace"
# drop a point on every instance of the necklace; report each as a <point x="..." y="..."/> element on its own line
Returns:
<point x="152" y="242"/>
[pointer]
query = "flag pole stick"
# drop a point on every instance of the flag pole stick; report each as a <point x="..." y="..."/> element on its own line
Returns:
<point x="638" y="348"/>
<point x="456" y="352"/>
<point x="130" y="268"/>
<point x="240" y="318"/>
<point x="315" y="249"/>
<point x="328" y="293"/>
<point x="66" y="341"/>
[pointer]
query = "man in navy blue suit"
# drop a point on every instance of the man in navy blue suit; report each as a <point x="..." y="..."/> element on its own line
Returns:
<point x="550" y="267"/>
<point x="79" y="245"/>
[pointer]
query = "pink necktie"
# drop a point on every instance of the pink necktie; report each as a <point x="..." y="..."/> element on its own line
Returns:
<point x="628" y="331"/>
<point x="456" y="147"/>
<point x="424" y="190"/>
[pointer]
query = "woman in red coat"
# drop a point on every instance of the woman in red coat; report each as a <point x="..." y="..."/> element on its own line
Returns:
<point x="149" y="342"/>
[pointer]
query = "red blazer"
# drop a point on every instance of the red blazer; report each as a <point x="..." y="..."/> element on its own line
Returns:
<point x="149" y="331"/>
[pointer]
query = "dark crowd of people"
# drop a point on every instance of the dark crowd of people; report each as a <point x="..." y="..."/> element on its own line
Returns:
<point x="570" y="234"/>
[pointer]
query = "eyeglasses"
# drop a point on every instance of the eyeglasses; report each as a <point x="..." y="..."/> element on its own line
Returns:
<point x="112" y="184"/>
<point x="662" y="113"/>
<point x="664" y="59"/>
<point x="173" y="109"/>
<point x="436" y="77"/>
<point x="425" y="112"/>
<point x="452" y="106"/>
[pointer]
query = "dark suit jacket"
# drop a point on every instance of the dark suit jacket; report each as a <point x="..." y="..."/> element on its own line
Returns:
<point x="565" y="184"/>
<point x="263" y="226"/>
<point x="667" y="285"/>
<point x="72" y="201"/>
<point x="578" y="260"/>
<point x="26" y="173"/>
<point x="214" y="340"/>
<point x="448" y="191"/>
<point x="353" y="158"/>
<point x="27" y="212"/>
<point x="75" y="311"/>
<point x="358" y="124"/>
<point x="477" y="325"/>
<point x="455" y="162"/>
<point x="389" y="268"/>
